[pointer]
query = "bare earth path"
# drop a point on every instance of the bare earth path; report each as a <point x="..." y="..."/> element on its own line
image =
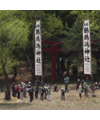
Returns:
<point x="72" y="101"/>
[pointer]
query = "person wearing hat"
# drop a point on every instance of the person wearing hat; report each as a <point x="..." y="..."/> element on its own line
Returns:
<point x="55" y="88"/>
<point x="41" y="93"/>
<point x="62" y="93"/>
<point x="28" y="85"/>
<point x="96" y="86"/>
<point x="78" y="84"/>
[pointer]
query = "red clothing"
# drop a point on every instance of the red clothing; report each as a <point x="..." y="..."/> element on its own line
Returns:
<point x="15" y="87"/>
<point x="18" y="89"/>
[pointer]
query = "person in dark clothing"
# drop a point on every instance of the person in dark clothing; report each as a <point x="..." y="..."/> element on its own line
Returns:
<point x="62" y="93"/>
<point x="82" y="83"/>
<point x="18" y="91"/>
<point x="78" y="84"/>
<point x="36" y="91"/>
<point x="55" y="88"/>
<point x="99" y="85"/>
<point x="37" y="83"/>
<point x="66" y="85"/>
<point x="31" y="93"/>
<point x="41" y="93"/>
<point x="96" y="86"/>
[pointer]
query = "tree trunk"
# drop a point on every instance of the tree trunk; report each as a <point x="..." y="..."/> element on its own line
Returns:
<point x="15" y="73"/>
<point x="7" y="92"/>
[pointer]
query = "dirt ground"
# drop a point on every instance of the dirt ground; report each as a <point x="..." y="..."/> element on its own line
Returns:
<point x="71" y="102"/>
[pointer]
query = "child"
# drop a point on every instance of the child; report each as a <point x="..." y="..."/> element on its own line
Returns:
<point x="55" y="88"/>
<point x="62" y="93"/>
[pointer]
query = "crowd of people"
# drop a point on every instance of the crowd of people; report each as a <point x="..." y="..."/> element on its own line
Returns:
<point x="20" y="90"/>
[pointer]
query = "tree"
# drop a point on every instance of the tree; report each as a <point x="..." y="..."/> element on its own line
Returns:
<point x="13" y="32"/>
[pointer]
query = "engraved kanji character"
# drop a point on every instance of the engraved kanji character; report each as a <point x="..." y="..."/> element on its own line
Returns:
<point x="87" y="59"/>
<point x="38" y="38"/>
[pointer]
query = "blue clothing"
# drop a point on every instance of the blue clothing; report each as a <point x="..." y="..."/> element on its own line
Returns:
<point x="36" y="88"/>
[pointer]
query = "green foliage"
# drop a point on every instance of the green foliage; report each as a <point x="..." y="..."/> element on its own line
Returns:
<point x="51" y="26"/>
<point x="13" y="32"/>
<point x="74" y="36"/>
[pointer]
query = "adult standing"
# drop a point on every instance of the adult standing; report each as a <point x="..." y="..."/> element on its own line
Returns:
<point x="36" y="91"/>
<point x="15" y="90"/>
<point x="80" y="91"/>
<point x="41" y="93"/>
<point x="66" y="85"/>
<point x="78" y="84"/>
<point x="37" y="83"/>
<point x="24" y="92"/>
<point x="48" y="93"/>
<point x="18" y="91"/>
<point x="45" y="91"/>
<point x="31" y="93"/>
<point x="62" y="93"/>
<point x="82" y="83"/>
<point x="21" y="91"/>
<point x="86" y="89"/>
